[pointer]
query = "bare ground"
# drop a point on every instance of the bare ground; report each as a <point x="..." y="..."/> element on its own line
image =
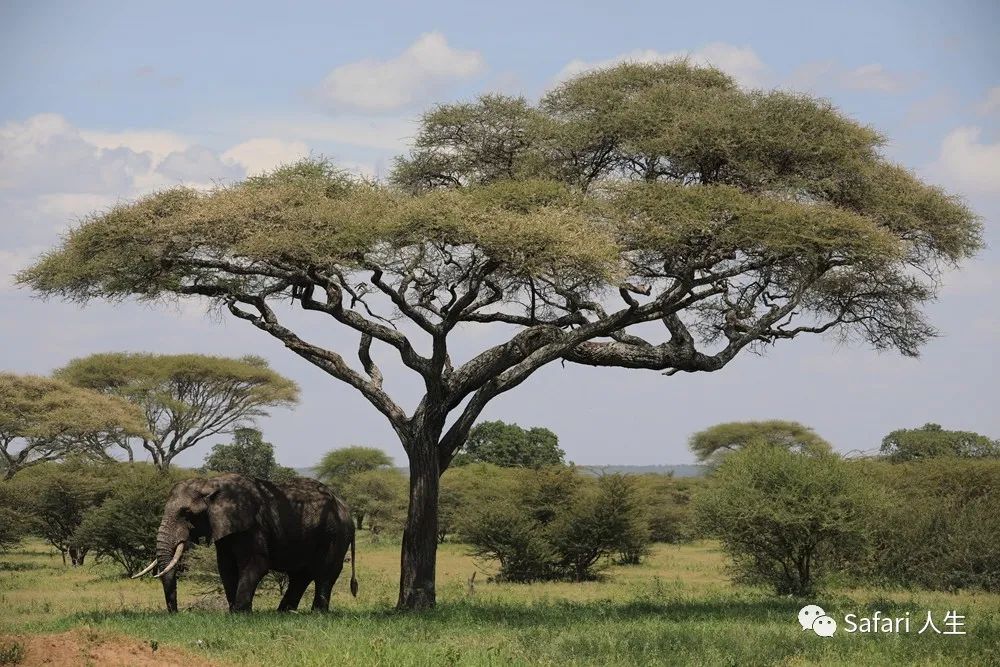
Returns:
<point x="85" y="647"/>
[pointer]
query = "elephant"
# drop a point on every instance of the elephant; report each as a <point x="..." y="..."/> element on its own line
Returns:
<point x="297" y="527"/>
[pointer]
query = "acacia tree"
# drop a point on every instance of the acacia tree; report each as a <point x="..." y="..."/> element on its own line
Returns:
<point x="185" y="398"/>
<point x="646" y="216"/>
<point x="713" y="443"/>
<point x="930" y="440"/>
<point x="42" y="419"/>
<point x="338" y="465"/>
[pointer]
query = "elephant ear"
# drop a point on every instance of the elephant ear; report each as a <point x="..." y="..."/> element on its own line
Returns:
<point x="232" y="507"/>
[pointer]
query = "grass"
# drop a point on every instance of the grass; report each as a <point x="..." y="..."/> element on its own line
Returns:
<point x="676" y="608"/>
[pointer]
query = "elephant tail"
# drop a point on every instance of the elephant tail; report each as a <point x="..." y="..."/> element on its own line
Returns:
<point x="354" y="578"/>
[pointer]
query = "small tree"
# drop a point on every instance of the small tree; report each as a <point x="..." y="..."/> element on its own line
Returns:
<point x="338" y="465"/>
<point x="712" y="444"/>
<point x="379" y="496"/>
<point x="123" y="528"/>
<point x="510" y="446"/>
<point x="58" y="496"/>
<point x="555" y="524"/>
<point x="46" y="420"/>
<point x="786" y="519"/>
<point x="15" y="523"/>
<point x="186" y="398"/>
<point x="930" y="440"/>
<point x="248" y="455"/>
<point x="604" y="520"/>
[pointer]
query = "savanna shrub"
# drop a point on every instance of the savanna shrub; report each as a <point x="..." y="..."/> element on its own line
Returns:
<point x="668" y="506"/>
<point x="380" y="497"/>
<point x="786" y="519"/>
<point x="556" y="524"/>
<point x="58" y="496"/>
<point x="938" y="526"/>
<point x="123" y="527"/>
<point x="15" y="524"/>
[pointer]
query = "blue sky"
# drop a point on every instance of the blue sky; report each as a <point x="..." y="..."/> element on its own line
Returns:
<point x="106" y="100"/>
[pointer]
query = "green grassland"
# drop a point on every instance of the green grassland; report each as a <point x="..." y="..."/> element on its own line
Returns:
<point x="676" y="608"/>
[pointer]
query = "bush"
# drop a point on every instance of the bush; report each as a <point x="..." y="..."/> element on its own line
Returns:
<point x="472" y="485"/>
<point x="123" y="528"/>
<point x="668" y="506"/>
<point x="603" y="519"/>
<point x="15" y="524"/>
<point x="555" y="524"/>
<point x="248" y="454"/>
<point x="380" y="497"/>
<point x="939" y="525"/>
<point x="58" y="496"/>
<point x="786" y="519"/>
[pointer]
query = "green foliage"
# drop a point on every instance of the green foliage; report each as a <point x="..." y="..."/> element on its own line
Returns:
<point x="930" y="441"/>
<point x="338" y="465"/>
<point x="510" y="446"/>
<point x="185" y="397"/>
<point x="557" y="525"/>
<point x="468" y="486"/>
<point x="630" y="171"/>
<point x="667" y="501"/>
<point x="379" y="496"/>
<point x="11" y="652"/>
<point x="248" y="455"/>
<point x="15" y="523"/>
<point x="715" y="442"/>
<point x="123" y="527"/>
<point x="603" y="520"/>
<point x="42" y="419"/>
<point x="59" y="495"/>
<point x="787" y="520"/>
<point x="938" y="525"/>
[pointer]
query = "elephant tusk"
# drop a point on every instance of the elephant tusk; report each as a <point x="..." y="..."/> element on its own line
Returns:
<point x="172" y="564"/>
<point x="148" y="569"/>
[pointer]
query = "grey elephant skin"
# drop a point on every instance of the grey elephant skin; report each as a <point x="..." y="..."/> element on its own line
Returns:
<point x="298" y="527"/>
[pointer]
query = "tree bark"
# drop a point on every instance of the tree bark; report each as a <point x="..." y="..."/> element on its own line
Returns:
<point x="419" y="553"/>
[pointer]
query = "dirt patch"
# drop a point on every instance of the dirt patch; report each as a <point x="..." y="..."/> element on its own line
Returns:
<point x="83" y="647"/>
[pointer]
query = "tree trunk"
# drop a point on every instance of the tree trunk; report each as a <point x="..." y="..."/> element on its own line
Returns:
<point x="419" y="552"/>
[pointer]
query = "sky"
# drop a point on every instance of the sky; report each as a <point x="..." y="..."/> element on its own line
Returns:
<point x="105" y="101"/>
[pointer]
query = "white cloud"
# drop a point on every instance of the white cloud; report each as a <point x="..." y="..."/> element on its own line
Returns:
<point x="72" y="204"/>
<point x="198" y="165"/>
<point x="991" y="104"/>
<point x="968" y="163"/>
<point x="872" y="77"/>
<point x="742" y="63"/>
<point x="46" y="152"/>
<point x="157" y="143"/>
<point x="384" y="134"/>
<point x="384" y="85"/>
<point x="259" y="155"/>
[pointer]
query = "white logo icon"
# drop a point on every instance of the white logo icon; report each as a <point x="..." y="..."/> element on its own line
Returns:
<point x="812" y="617"/>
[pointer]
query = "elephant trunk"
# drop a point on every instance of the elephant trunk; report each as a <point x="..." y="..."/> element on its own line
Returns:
<point x="168" y="537"/>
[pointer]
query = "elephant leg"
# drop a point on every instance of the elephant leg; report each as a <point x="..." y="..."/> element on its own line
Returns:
<point x="325" y="581"/>
<point x="321" y="599"/>
<point x="297" y="584"/>
<point x="228" y="572"/>
<point x="250" y="574"/>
